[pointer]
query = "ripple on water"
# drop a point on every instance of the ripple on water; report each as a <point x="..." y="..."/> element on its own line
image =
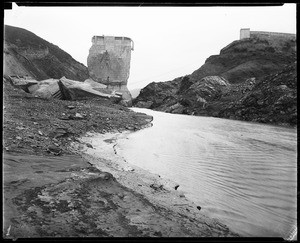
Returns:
<point x="243" y="173"/>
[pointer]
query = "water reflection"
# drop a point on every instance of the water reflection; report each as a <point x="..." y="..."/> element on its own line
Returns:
<point x="243" y="173"/>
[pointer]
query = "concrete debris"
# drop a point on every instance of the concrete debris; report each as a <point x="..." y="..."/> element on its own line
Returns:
<point x="66" y="89"/>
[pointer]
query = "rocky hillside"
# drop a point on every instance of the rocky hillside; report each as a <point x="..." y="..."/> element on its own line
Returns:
<point x="221" y="86"/>
<point x="272" y="100"/>
<point x="27" y="54"/>
<point x="248" y="58"/>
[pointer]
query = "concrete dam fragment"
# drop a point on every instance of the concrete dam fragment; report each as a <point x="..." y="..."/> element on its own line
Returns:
<point x="109" y="62"/>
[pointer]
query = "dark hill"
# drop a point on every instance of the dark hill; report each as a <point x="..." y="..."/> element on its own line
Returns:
<point x="272" y="100"/>
<point x="217" y="87"/>
<point x="27" y="54"/>
<point x="248" y="58"/>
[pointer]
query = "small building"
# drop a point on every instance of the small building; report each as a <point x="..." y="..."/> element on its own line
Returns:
<point x="244" y="33"/>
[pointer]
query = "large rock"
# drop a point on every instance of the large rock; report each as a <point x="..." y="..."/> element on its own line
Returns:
<point x="109" y="62"/>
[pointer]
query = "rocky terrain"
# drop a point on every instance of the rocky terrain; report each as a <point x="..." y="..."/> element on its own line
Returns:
<point x="223" y="85"/>
<point x="273" y="100"/>
<point x="27" y="54"/>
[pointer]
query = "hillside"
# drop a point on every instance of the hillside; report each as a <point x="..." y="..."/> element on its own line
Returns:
<point x="27" y="54"/>
<point x="247" y="58"/>
<point x="272" y="100"/>
<point x="217" y="87"/>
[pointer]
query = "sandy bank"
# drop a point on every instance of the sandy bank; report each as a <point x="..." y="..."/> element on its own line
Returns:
<point x="173" y="215"/>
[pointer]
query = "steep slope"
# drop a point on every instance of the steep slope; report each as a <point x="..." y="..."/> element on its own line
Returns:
<point x="272" y="100"/>
<point x="155" y="95"/>
<point x="27" y="54"/>
<point x="225" y="79"/>
<point x="247" y="58"/>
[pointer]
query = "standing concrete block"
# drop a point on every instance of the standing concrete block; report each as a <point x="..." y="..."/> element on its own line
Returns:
<point x="109" y="62"/>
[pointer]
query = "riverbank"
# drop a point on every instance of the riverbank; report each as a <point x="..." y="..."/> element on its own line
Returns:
<point x="62" y="177"/>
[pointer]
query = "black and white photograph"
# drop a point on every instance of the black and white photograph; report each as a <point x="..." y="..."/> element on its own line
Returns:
<point x="147" y="121"/>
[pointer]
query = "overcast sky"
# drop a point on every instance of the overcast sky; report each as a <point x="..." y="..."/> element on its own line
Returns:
<point x="169" y="41"/>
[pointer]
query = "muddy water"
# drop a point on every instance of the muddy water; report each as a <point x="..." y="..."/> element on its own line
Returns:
<point x="244" y="174"/>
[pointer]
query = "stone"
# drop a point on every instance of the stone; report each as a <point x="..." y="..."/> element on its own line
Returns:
<point x="54" y="150"/>
<point x="89" y="145"/>
<point x="128" y="168"/>
<point x="144" y="104"/>
<point x="157" y="187"/>
<point x="59" y="132"/>
<point x="282" y="87"/>
<point x="79" y="116"/>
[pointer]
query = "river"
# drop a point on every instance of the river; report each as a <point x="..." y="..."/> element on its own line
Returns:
<point x="242" y="173"/>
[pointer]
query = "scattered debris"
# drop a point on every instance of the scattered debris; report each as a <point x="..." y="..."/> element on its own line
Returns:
<point x="89" y="145"/>
<point x="157" y="187"/>
<point x="54" y="150"/>
<point x="60" y="132"/>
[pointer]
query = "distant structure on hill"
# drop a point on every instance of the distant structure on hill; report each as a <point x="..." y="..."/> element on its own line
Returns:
<point x="246" y="33"/>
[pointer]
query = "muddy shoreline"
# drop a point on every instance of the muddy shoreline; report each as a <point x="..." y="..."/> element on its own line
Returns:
<point x="62" y="177"/>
